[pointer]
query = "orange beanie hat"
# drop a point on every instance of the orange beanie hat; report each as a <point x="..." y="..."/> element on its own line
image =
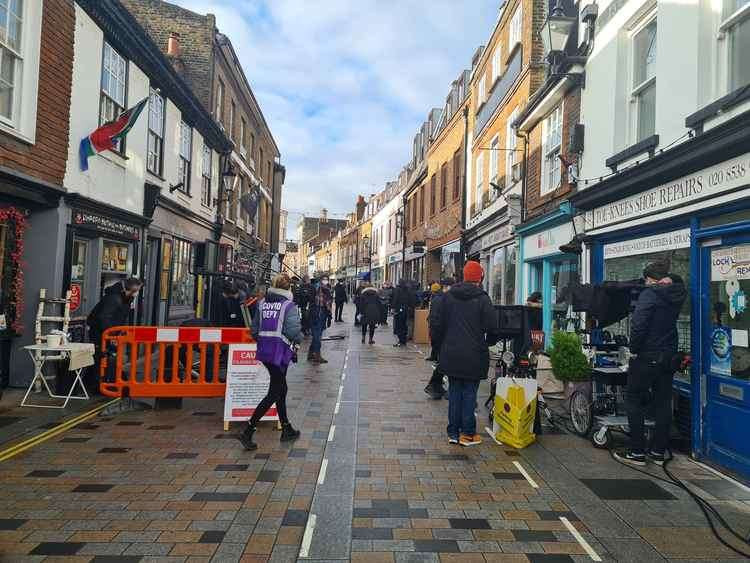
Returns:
<point x="473" y="271"/>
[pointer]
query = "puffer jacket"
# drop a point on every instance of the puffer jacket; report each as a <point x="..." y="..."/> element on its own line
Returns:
<point x="653" y="325"/>
<point x="370" y="306"/>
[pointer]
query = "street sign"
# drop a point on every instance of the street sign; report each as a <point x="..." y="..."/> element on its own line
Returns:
<point x="247" y="384"/>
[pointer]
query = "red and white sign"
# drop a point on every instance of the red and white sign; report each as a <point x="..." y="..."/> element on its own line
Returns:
<point x="75" y="297"/>
<point x="247" y="384"/>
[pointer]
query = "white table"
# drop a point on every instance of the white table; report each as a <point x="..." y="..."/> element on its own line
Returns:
<point x="40" y="353"/>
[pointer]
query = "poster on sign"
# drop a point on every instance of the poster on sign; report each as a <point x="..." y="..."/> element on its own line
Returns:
<point x="247" y="384"/>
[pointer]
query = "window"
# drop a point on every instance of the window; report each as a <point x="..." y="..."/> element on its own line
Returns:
<point x="206" y="171"/>
<point x="243" y="190"/>
<point x="479" y="186"/>
<point x="482" y="90"/>
<point x="516" y="28"/>
<point x="457" y="174"/>
<point x="736" y="24"/>
<point x="183" y="282"/>
<point x="444" y="185"/>
<point x="433" y="193"/>
<point x="112" y="98"/>
<point x="11" y="60"/>
<point x="643" y="95"/>
<point x="551" y="140"/>
<point x="232" y="112"/>
<point x="220" y="103"/>
<point x="186" y="149"/>
<point x="512" y="155"/>
<point x="243" y="137"/>
<point x="259" y="167"/>
<point x="422" y="190"/>
<point x="252" y="144"/>
<point x="155" y="133"/>
<point x="497" y="62"/>
<point x="495" y="159"/>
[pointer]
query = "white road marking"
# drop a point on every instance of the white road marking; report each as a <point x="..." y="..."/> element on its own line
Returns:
<point x="336" y="408"/>
<point x="579" y="538"/>
<point x="304" y="550"/>
<point x="331" y="432"/>
<point x="489" y="431"/>
<point x="526" y="475"/>
<point x="322" y="474"/>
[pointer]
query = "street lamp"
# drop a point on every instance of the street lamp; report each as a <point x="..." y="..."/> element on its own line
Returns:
<point x="555" y="31"/>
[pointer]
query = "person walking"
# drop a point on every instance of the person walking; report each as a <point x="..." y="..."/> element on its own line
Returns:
<point x="466" y="326"/>
<point x="435" y="291"/>
<point x="371" y="311"/>
<point x="231" y="310"/>
<point x="302" y="298"/>
<point x="278" y="328"/>
<point x="385" y="294"/>
<point x="320" y="311"/>
<point x="435" y="387"/>
<point x="404" y="301"/>
<point x="653" y="347"/>
<point x="340" y="297"/>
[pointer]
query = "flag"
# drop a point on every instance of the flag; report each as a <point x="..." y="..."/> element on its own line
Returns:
<point x="105" y="137"/>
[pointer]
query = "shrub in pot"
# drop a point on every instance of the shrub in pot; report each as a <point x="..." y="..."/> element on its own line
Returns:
<point x="569" y="364"/>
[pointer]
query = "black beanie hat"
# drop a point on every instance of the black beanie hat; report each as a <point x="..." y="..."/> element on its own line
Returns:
<point x="656" y="270"/>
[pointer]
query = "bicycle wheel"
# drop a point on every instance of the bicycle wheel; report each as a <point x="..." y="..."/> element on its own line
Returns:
<point x="580" y="413"/>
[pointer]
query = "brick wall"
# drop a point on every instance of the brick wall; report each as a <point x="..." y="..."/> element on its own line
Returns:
<point x="537" y="204"/>
<point x="46" y="158"/>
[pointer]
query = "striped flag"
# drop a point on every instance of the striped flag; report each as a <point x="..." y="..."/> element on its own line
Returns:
<point x="105" y="137"/>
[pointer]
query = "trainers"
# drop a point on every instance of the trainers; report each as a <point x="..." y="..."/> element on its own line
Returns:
<point x="657" y="457"/>
<point x="288" y="433"/>
<point x="246" y="438"/>
<point x="470" y="440"/>
<point x="631" y="457"/>
<point x="453" y="439"/>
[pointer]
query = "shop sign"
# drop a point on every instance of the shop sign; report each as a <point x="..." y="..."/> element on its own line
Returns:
<point x="684" y="191"/>
<point x="247" y="384"/>
<point x="495" y="237"/>
<point x="731" y="263"/>
<point x="393" y="258"/>
<point x="647" y="245"/>
<point x="474" y="247"/>
<point x="105" y="224"/>
<point x="547" y="242"/>
<point x="75" y="297"/>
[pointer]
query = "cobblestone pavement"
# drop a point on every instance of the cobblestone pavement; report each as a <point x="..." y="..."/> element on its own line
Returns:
<point x="372" y="479"/>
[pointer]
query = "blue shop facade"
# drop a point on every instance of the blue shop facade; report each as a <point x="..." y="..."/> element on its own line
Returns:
<point x="689" y="205"/>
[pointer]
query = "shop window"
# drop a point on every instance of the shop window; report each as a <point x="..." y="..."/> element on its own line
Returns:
<point x="551" y="142"/>
<point x="736" y="24"/>
<point x="509" y="278"/>
<point x="536" y="273"/>
<point x="155" y="133"/>
<point x="562" y="274"/>
<point x="643" y="93"/>
<point x="183" y="281"/>
<point x="78" y="269"/>
<point x="726" y="219"/>
<point x="206" y="170"/>
<point x="503" y="276"/>
<point x="166" y="264"/>
<point x="498" y="272"/>
<point x="631" y="267"/>
<point x="186" y="150"/>
<point x="115" y="258"/>
<point x="113" y="89"/>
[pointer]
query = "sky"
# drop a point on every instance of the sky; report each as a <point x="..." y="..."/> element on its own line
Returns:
<point x="345" y="84"/>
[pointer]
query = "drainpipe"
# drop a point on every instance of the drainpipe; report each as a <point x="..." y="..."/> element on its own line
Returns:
<point x="403" y="234"/>
<point x="525" y="137"/>
<point x="462" y="240"/>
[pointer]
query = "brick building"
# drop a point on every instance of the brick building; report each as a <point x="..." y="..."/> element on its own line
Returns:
<point x="211" y="67"/>
<point x="34" y="117"/>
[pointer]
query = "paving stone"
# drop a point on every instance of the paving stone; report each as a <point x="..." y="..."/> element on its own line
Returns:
<point x="93" y="488"/>
<point x="57" y="548"/>
<point x="149" y="549"/>
<point x="11" y="524"/>
<point x="104" y="549"/>
<point x="436" y="546"/>
<point x="45" y="473"/>
<point x="372" y="533"/>
<point x="417" y="558"/>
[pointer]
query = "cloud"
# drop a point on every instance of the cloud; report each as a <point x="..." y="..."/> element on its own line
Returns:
<point x="345" y="85"/>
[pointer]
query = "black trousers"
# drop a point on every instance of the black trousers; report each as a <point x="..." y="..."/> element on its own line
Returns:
<point x="649" y="389"/>
<point x="276" y="394"/>
<point x="339" y="310"/>
<point x="401" y="328"/>
<point x="371" y="326"/>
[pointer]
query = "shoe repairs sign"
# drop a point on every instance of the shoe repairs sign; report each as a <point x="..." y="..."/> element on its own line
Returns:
<point x="247" y="384"/>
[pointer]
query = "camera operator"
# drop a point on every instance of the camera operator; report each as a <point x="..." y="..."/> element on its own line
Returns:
<point x="653" y="346"/>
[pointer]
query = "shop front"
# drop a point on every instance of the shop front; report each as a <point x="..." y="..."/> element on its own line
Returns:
<point x="698" y="219"/>
<point x="544" y="268"/>
<point x="393" y="268"/>
<point x="448" y="257"/>
<point x="377" y="272"/>
<point x="414" y="264"/>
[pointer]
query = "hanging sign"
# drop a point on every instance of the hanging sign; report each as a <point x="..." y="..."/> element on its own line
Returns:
<point x="247" y="384"/>
<point x="75" y="297"/>
<point x="721" y="351"/>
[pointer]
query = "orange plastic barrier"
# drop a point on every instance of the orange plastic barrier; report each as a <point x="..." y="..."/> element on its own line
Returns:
<point x="155" y="362"/>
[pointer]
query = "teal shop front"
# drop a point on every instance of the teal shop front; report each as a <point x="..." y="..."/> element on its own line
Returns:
<point x="543" y="268"/>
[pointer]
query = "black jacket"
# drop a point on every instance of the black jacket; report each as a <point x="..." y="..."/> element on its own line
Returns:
<point x="403" y="298"/>
<point x="653" y="325"/>
<point x="370" y="306"/>
<point x="339" y="293"/>
<point x="231" y="312"/>
<point x="465" y="327"/>
<point x="433" y="320"/>
<point x="112" y="310"/>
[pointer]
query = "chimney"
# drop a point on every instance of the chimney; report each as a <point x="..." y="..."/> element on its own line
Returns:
<point x="174" y="53"/>
<point x="361" y="206"/>
<point x="324" y="215"/>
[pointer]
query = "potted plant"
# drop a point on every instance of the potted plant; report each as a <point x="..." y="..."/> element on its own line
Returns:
<point x="569" y="364"/>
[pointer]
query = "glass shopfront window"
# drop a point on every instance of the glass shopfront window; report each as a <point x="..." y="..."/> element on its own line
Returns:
<point x="183" y="281"/>
<point x="503" y="276"/>
<point x="450" y="255"/>
<point x="563" y="273"/>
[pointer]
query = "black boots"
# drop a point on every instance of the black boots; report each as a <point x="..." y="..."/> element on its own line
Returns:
<point x="247" y="438"/>
<point x="288" y="433"/>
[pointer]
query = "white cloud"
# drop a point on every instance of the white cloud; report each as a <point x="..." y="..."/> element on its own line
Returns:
<point x="345" y="85"/>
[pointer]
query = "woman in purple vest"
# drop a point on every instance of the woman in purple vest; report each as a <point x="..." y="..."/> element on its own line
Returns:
<point x="277" y="328"/>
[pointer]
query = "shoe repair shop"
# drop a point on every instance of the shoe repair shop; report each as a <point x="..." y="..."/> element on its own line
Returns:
<point x="694" y="212"/>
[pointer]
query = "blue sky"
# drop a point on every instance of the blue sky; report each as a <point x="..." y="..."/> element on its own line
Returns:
<point x="345" y="84"/>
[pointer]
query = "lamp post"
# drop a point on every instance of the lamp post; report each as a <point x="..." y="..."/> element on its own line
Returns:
<point x="555" y="32"/>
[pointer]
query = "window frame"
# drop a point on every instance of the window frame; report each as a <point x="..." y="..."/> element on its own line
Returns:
<point x="511" y="146"/>
<point x="159" y="148"/>
<point x="433" y="195"/>
<point x="457" y="156"/>
<point x="495" y="159"/>
<point x="182" y="258"/>
<point x="444" y="186"/>
<point x="185" y="164"/>
<point x="18" y="58"/>
<point x="482" y="90"/>
<point x="479" y="183"/>
<point x="729" y="22"/>
<point x="551" y="165"/>
<point x="232" y="116"/>
<point x="219" y="109"/>
<point x="497" y="62"/>
<point x="422" y="190"/>
<point x="105" y="97"/>
<point x="206" y="179"/>
<point x="516" y="28"/>
<point x="637" y="91"/>
<point x="243" y="136"/>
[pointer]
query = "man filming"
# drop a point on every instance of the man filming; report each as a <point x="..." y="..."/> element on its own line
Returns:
<point x="653" y="347"/>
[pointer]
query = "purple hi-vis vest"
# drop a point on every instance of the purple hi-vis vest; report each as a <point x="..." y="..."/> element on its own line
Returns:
<point x="273" y="347"/>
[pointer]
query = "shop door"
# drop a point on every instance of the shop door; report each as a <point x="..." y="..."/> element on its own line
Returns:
<point x="725" y="289"/>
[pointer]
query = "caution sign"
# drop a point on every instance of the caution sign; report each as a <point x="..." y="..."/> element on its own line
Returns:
<point x="247" y="384"/>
